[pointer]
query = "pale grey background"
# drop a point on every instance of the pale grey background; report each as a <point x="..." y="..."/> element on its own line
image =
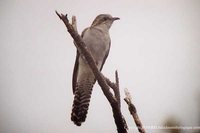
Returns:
<point x="155" y="48"/>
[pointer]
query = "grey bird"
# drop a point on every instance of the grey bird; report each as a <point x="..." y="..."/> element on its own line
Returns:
<point x="97" y="39"/>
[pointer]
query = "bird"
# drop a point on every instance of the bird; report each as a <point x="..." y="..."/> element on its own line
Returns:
<point x="97" y="39"/>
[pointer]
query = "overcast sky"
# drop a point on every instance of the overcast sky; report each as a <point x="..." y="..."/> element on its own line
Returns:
<point x="155" y="48"/>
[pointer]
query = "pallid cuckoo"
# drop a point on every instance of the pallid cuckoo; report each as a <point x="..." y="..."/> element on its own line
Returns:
<point x="97" y="39"/>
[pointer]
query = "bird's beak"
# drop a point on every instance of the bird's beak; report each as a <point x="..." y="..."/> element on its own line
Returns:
<point x="115" y="18"/>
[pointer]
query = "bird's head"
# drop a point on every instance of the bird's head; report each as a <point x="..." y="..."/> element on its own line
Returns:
<point x="104" y="20"/>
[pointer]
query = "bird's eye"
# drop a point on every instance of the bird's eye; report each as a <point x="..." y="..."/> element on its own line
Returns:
<point x="105" y="19"/>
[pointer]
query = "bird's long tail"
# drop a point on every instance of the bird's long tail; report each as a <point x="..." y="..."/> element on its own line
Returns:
<point x="82" y="97"/>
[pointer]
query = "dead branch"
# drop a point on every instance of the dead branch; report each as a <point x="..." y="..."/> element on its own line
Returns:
<point x="103" y="82"/>
<point x="74" y="23"/>
<point x="133" y="111"/>
<point x="117" y="93"/>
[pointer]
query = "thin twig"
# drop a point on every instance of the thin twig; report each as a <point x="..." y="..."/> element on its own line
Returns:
<point x="117" y="78"/>
<point x="74" y="23"/>
<point x="115" y="87"/>
<point x="133" y="111"/>
<point x="117" y="92"/>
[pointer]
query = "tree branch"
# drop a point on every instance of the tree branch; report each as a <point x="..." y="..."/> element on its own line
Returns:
<point x="133" y="111"/>
<point x="117" y="92"/>
<point x="103" y="82"/>
<point x="74" y="23"/>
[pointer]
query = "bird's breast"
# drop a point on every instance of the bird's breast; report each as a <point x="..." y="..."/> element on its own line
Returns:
<point x="97" y="42"/>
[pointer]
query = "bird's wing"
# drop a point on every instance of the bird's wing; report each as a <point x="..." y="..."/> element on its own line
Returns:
<point x="105" y="57"/>
<point x="75" y="72"/>
<point x="76" y="65"/>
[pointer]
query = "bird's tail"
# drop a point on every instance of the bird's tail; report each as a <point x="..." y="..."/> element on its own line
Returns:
<point x="82" y="97"/>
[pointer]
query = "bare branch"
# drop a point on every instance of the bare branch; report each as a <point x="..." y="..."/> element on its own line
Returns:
<point x="117" y="78"/>
<point x="117" y="92"/>
<point x="133" y="111"/>
<point x="58" y="15"/>
<point x="111" y="84"/>
<point x="74" y="23"/>
<point x="115" y="87"/>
